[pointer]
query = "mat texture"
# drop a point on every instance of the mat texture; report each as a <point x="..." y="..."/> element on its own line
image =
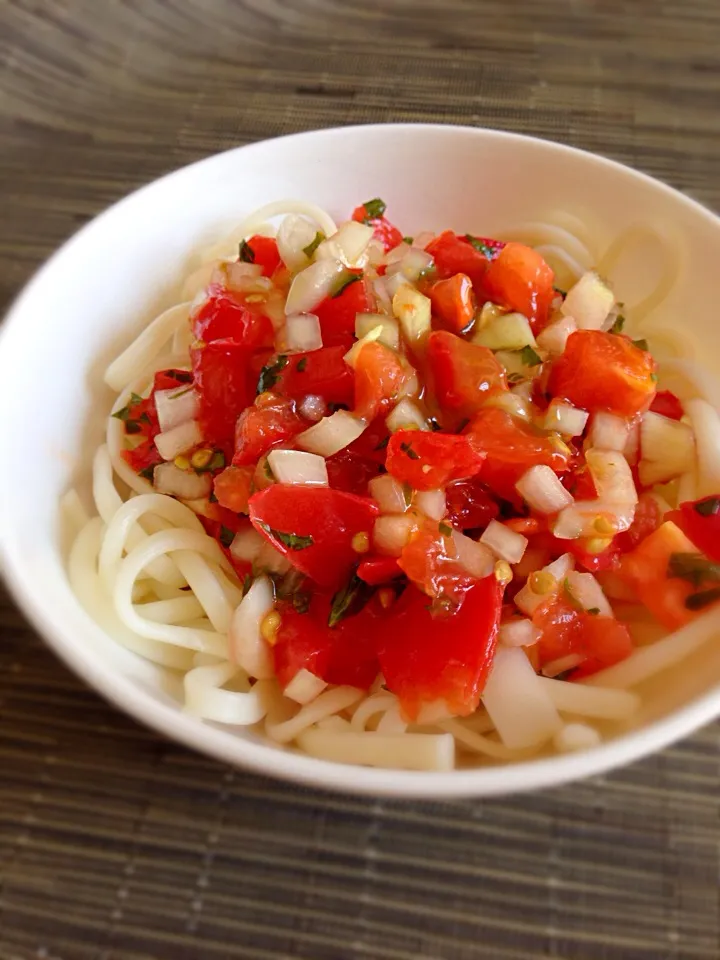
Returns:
<point x="116" y="845"/>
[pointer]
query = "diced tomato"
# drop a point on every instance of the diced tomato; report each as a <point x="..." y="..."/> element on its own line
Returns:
<point x="372" y="442"/>
<point x="519" y="279"/>
<point x="222" y="317"/>
<point x="580" y="483"/>
<point x="343" y="654"/>
<point x="511" y="447"/>
<point x="603" y="371"/>
<point x="453" y="302"/>
<point x="352" y="473"/>
<point x="142" y="457"/>
<point x="377" y="570"/>
<point x="232" y="488"/>
<point x="430" y="561"/>
<point x="322" y="372"/>
<point x="385" y="232"/>
<point x="463" y="374"/>
<point x="425" y="658"/>
<point x="313" y="527"/>
<point x="667" y="405"/>
<point x="337" y="314"/>
<point x="263" y="425"/>
<point x="224" y="384"/>
<point x="565" y="631"/>
<point x="380" y="375"/>
<point x="648" y="517"/>
<point x="453" y="254"/>
<point x="470" y="505"/>
<point x="265" y="253"/>
<point x="169" y="379"/>
<point x="428" y="461"/>
<point x="700" y="521"/>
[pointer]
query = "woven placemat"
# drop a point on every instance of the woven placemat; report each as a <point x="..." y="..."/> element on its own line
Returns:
<point x="117" y="845"/>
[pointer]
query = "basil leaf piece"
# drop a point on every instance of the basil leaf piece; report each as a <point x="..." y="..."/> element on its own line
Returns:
<point x="407" y="449"/>
<point x="301" y="365"/>
<point x="696" y="601"/>
<point x="226" y="536"/>
<point x="708" y="507"/>
<point x="483" y="248"/>
<point x="293" y="541"/>
<point x="350" y="600"/>
<point x="617" y="327"/>
<point x="529" y="357"/>
<point x="269" y="374"/>
<point x="246" y="252"/>
<point x="310" y="249"/>
<point x="693" y="567"/>
<point x="374" y="209"/>
<point x="345" y="281"/>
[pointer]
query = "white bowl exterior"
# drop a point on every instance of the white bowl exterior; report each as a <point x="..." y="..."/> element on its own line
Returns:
<point x="98" y="291"/>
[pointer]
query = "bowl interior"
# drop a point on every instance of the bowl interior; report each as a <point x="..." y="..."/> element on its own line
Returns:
<point x="98" y="291"/>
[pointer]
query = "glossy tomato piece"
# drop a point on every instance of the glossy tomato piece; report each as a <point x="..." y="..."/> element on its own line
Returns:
<point x="142" y="458"/>
<point x="430" y="561"/>
<point x="700" y="521"/>
<point x="349" y="472"/>
<point x="320" y="372"/>
<point x="453" y="302"/>
<point x="337" y="314"/>
<point x="511" y="447"/>
<point x="313" y="527"/>
<point x="520" y="280"/>
<point x="270" y="420"/>
<point x="223" y="380"/>
<point x="600" y="641"/>
<point x="265" y="253"/>
<point x="380" y="375"/>
<point x="232" y="488"/>
<point x="222" y="317"/>
<point x="463" y="374"/>
<point x="470" y="505"/>
<point x="426" y="658"/>
<point x="603" y="371"/>
<point x="428" y="461"/>
<point x="372" y="443"/>
<point x="385" y="232"/>
<point x="454" y="254"/>
<point x="377" y="570"/>
<point x="171" y="379"/>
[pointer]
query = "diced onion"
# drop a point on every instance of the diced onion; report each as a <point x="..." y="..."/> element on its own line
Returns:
<point x="188" y="485"/>
<point x="542" y="490"/>
<point x="406" y="414"/>
<point x="561" y="567"/>
<point x="612" y="476"/>
<point x="579" y="519"/>
<point x="388" y="493"/>
<point x="304" y="687"/>
<point x="271" y="559"/>
<point x="371" y="336"/>
<point x="312" y="285"/>
<point x="519" y="633"/>
<point x="519" y="706"/>
<point x="247" y="646"/>
<point x="411" y="265"/>
<point x="384" y="298"/>
<point x="504" y="542"/>
<point x="331" y="434"/>
<point x="667" y="449"/>
<point x="247" y="545"/>
<point x="391" y="534"/>
<point x="178" y="440"/>
<point x="412" y="309"/>
<point x="294" y="234"/>
<point x="576" y="736"/>
<point x="432" y="503"/>
<point x="302" y="333"/>
<point x="516" y="404"/>
<point x="555" y="336"/>
<point x="393" y="283"/>
<point x="706" y="425"/>
<point x="348" y="244"/>
<point x="527" y="600"/>
<point x="631" y="450"/>
<point x="565" y="419"/>
<point x="297" y="466"/>
<point x="509" y="331"/>
<point x="608" y="432"/>
<point x="588" y="593"/>
<point x="175" y="406"/>
<point x="514" y="365"/>
<point x="476" y="558"/>
<point x="589" y="302"/>
<point x="389" y="333"/>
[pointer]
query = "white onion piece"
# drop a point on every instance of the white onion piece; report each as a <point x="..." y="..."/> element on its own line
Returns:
<point x="612" y="476"/>
<point x="248" y="648"/>
<point x="271" y="559"/>
<point x="516" y="404"/>
<point x="388" y="494"/>
<point x="392" y="533"/>
<point x="608" y="432"/>
<point x="560" y="567"/>
<point x="509" y="331"/>
<point x="412" y="309"/>
<point x="519" y="633"/>
<point x="389" y="329"/>
<point x="411" y="265"/>
<point x="476" y="558"/>
<point x="302" y="333"/>
<point x="176" y="441"/>
<point x="404" y="751"/>
<point x="304" y="687"/>
<point x="312" y="407"/>
<point x="518" y="705"/>
<point x="297" y="466"/>
<point x="294" y="234"/>
<point x="528" y="601"/>
<point x="574" y="737"/>
<point x="312" y="285"/>
<point x="353" y="353"/>
<point x="578" y="520"/>
<point x="348" y="244"/>
<point x="432" y="503"/>
<point x="383" y="297"/>
<point x="171" y="480"/>
<point x="667" y="449"/>
<point x="542" y="490"/>
<point x="554" y="337"/>
<point x="555" y="667"/>
<point x="589" y="302"/>
<point x="393" y="283"/>
<point x="588" y="593"/>
<point x="565" y="419"/>
<point x="706" y="425"/>
<point x="175" y="406"/>
<point x="235" y="274"/>
<point x="247" y="545"/>
<point x="504" y="542"/>
<point x="423" y="239"/>
<point x="331" y="434"/>
<point x="396" y="254"/>
<point x="406" y="414"/>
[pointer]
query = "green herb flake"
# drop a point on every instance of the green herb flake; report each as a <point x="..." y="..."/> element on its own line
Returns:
<point x="693" y="567"/>
<point x="383" y="443"/>
<point x="125" y="412"/>
<point x="708" y="507"/>
<point x="445" y="529"/>
<point x="179" y="393"/>
<point x="407" y="449"/>
<point x="408" y="240"/>
<point x="572" y="599"/>
<point x="246" y="253"/>
<point x="617" y="327"/>
<point x="594" y="611"/>
<point x="483" y="248"/>
<point x="216" y="462"/>
<point x="529" y="357"/>
<point x="310" y="249"/>
<point x="345" y="280"/>
<point x="147" y="473"/>
<point x="301" y="601"/>
<point x="641" y="344"/>
<point x="697" y="601"/>
<point x="301" y="365"/>
<point x="293" y="541"/>
<point x="350" y="600"/>
<point x="407" y="494"/>
<point x="226" y="536"/>
<point x="374" y="209"/>
<point x="270" y="373"/>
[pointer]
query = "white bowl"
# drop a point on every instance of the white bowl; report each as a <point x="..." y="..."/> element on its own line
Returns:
<point x="113" y="276"/>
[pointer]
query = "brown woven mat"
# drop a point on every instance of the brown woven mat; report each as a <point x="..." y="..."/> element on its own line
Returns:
<point x="116" y="845"/>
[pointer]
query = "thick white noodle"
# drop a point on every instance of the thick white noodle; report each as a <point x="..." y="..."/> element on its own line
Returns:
<point x="281" y="207"/>
<point x="481" y="744"/>
<point x="610" y="259"/>
<point x="400" y="751"/>
<point x="543" y="233"/>
<point x="205" y="697"/>
<point x="73" y="512"/>
<point x="602" y="703"/>
<point x="688" y="379"/>
<point x="555" y="255"/>
<point x="174" y="610"/>
<point x="331" y="701"/>
<point x="370" y="707"/>
<point x="146" y="346"/>
<point x="706" y="426"/>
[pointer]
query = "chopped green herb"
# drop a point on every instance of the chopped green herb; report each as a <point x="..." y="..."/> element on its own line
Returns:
<point x="350" y="600"/>
<point x="293" y="541"/>
<point x="247" y="583"/>
<point x="180" y="393"/>
<point x="246" y="252"/>
<point x="270" y="373"/>
<point x="226" y="536"/>
<point x="135" y="398"/>
<point x="301" y="365"/>
<point x="301" y="601"/>
<point x="310" y="249"/>
<point x="484" y="249"/>
<point x="693" y="567"/>
<point x="407" y="240"/>
<point x="132" y="426"/>
<point x="345" y="280"/>
<point x="383" y="443"/>
<point x="125" y="412"/>
<point x="445" y="529"/>
<point x="641" y="344"/>
<point x="216" y="462"/>
<point x="407" y="448"/>
<point x="147" y="472"/>
<point x="374" y="209"/>
<point x="212" y="498"/>
<point x="407" y="494"/>
<point x="594" y="611"/>
<point x="617" y="327"/>
<point x="529" y="357"/>
<point x="708" y="507"/>
<point x="696" y="601"/>
<point x="559" y="290"/>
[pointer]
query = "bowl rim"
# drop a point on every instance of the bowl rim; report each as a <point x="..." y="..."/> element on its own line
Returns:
<point x="261" y="758"/>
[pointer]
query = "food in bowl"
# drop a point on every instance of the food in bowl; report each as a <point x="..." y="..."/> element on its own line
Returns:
<point x="396" y="499"/>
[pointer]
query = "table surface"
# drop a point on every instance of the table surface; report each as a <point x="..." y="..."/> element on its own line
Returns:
<point x="117" y="844"/>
